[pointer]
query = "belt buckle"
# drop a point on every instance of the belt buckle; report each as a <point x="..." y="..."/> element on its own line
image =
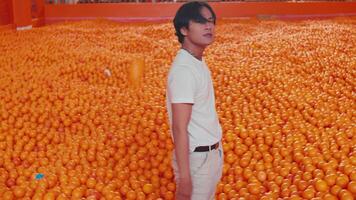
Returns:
<point x="212" y="147"/>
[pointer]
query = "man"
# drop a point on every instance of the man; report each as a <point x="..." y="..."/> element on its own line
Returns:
<point x="198" y="155"/>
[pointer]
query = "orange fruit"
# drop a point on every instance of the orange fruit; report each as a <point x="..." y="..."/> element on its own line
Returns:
<point x="49" y="196"/>
<point x="308" y="193"/>
<point x="147" y="188"/>
<point x="8" y="195"/>
<point x="335" y="190"/>
<point x="131" y="195"/>
<point x="261" y="176"/>
<point x="330" y="179"/>
<point x="254" y="188"/>
<point x="345" y="195"/>
<point x="90" y="183"/>
<point x="78" y="192"/>
<point x="19" y="192"/>
<point x="329" y="197"/>
<point x="321" y="185"/>
<point x="342" y="180"/>
<point x="352" y="187"/>
<point x="96" y="124"/>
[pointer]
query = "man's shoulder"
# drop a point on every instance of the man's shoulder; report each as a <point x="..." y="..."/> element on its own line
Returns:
<point x="180" y="68"/>
<point x="182" y="63"/>
<point x="183" y="59"/>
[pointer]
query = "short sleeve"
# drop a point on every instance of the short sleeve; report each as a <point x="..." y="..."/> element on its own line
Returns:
<point x="181" y="85"/>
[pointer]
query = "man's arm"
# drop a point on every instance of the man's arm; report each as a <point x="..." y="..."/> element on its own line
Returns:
<point x="181" y="113"/>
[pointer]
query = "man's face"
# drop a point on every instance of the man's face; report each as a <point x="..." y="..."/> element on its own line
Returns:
<point x="201" y="33"/>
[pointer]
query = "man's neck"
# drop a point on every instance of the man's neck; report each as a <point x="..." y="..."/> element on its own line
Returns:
<point x="195" y="51"/>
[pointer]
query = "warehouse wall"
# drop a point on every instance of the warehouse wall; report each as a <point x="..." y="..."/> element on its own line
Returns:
<point x="5" y="12"/>
<point x="18" y="13"/>
<point x="49" y="13"/>
<point x="156" y="11"/>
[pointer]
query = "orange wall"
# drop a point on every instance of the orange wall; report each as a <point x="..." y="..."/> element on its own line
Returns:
<point x="18" y="12"/>
<point x="22" y="12"/>
<point x="5" y="12"/>
<point x="40" y="8"/>
<point x="15" y="13"/>
<point x="156" y="11"/>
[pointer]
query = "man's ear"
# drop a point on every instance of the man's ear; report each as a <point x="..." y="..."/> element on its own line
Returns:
<point x="184" y="31"/>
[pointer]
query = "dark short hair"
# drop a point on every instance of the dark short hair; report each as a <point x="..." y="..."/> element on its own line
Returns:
<point x="190" y="12"/>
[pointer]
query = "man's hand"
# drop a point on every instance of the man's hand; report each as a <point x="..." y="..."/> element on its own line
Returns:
<point x="184" y="189"/>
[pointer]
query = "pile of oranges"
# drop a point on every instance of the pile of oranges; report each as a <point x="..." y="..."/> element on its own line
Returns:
<point x="284" y="95"/>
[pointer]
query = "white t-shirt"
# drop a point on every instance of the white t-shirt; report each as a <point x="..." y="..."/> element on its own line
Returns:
<point x="189" y="81"/>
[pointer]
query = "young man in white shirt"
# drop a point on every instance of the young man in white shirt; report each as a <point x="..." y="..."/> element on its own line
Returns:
<point x="196" y="132"/>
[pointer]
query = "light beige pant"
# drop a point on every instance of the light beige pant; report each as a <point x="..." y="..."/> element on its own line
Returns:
<point x="205" y="170"/>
